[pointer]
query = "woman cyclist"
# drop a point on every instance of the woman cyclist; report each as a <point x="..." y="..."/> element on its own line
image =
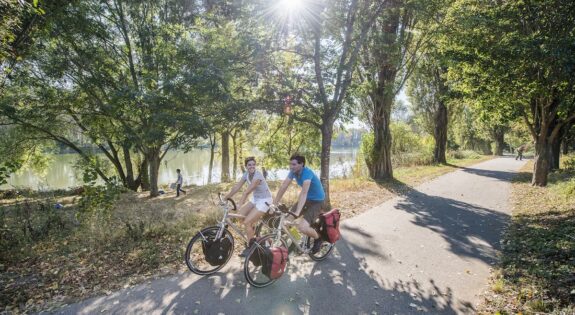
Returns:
<point x="256" y="207"/>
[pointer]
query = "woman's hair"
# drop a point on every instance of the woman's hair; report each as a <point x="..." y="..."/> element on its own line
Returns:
<point x="249" y="158"/>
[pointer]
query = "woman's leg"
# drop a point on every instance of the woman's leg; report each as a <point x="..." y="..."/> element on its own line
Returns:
<point x="246" y="208"/>
<point x="249" y="221"/>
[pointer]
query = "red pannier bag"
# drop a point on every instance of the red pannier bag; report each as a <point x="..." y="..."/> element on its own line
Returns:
<point x="275" y="262"/>
<point x="329" y="226"/>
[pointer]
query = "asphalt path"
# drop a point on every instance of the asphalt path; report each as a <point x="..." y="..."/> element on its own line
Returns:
<point x="428" y="250"/>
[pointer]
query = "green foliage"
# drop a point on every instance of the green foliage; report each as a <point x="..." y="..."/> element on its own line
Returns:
<point x="87" y="168"/>
<point x="366" y="147"/>
<point x="280" y="137"/>
<point x="408" y="147"/>
<point x="97" y="203"/>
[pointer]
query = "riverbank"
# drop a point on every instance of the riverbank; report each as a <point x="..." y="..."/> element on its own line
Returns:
<point x="50" y="259"/>
<point x="536" y="274"/>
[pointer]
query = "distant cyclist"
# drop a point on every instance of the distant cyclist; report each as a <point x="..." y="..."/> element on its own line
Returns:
<point x="311" y="197"/>
<point x="256" y="207"/>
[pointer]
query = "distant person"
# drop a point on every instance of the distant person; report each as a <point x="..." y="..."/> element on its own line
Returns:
<point x="179" y="183"/>
<point x="520" y="151"/>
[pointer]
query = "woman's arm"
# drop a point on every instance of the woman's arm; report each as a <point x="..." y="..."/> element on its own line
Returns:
<point x="248" y="191"/>
<point x="235" y="189"/>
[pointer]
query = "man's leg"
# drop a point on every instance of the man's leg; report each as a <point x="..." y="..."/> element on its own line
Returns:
<point x="305" y="228"/>
<point x="178" y="190"/>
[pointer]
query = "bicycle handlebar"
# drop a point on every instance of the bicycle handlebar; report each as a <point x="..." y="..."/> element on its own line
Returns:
<point x="279" y="209"/>
<point x="230" y="199"/>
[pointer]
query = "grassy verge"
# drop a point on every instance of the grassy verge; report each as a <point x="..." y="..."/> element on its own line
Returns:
<point x="49" y="257"/>
<point x="537" y="269"/>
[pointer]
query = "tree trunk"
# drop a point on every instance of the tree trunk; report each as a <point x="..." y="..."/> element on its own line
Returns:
<point x="154" y="162"/>
<point x="383" y="94"/>
<point x="130" y="180"/>
<point x="499" y="141"/>
<point x="542" y="163"/>
<point x="440" y="134"/>
<point x="235" y="148"/>
<point x="212" y="150"/>
<point x="555" y="154"/>
<point x="565" y="145"/>
<point x="144" y="175"/>
<point x="380" y="167"/>
<point x="326" y="135"/>
<point x="225" y="157"/>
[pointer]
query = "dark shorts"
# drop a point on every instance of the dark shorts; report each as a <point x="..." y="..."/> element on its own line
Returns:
<point x="311" y="210"/>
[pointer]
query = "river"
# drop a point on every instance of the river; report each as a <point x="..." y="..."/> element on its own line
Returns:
<point x="60" y="173"/>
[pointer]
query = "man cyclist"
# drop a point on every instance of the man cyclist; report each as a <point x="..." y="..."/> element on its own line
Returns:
<point x="311" y="197"/>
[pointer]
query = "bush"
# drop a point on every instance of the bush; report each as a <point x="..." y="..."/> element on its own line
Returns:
<point x="569" y="164"/>
<point x="408" y="148"/>
<point x="463" y="154"/>
<point x="28" y="223"/>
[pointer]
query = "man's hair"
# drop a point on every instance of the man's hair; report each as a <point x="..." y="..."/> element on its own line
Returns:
<point x="249" y="158"/>
<point x="299" y="158"/>
<point x="178" y="170"/>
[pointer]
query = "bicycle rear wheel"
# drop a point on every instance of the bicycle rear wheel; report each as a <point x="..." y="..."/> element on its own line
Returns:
<point x="195" y="256"/>
<point x="254" y="259"/>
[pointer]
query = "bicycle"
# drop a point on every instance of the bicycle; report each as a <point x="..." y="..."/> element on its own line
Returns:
<point x="198" y="258"/>
<point x="280" y="236"/>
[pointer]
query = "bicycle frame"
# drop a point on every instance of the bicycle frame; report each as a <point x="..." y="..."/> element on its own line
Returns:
<point x="226" y="221"/>
<point x="283" y="227"/>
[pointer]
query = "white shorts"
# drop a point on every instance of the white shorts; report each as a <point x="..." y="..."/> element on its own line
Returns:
<point x="260" y="204"/>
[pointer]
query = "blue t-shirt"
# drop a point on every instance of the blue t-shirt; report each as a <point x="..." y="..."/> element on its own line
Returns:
<point x="315" y="192"/>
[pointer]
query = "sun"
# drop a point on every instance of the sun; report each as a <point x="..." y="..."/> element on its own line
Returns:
<point x="291" y="5"/>
<point x="288" y="15"/>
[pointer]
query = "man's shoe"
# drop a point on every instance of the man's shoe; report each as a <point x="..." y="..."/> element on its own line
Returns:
<point x="316" y="245"/>
<point x="247" y="249"/>
<point x="244" y="253"/>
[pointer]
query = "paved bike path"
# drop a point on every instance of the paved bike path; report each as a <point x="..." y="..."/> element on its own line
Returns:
<point x="429" y="250"/>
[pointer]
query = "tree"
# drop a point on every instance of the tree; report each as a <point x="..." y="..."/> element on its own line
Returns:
<point x="129" y="75"/>
<point x="521" y="53"/>
<point x="387" y="61"/>
<point x="430" y="97"/>
<point x="326" y="47"/>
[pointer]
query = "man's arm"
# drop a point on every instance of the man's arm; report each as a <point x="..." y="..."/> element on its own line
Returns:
<point x="282" y="190"/>
<point x="302" y="196"/>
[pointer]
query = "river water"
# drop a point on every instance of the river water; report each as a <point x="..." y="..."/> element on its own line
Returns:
<point x="61" y="174"/>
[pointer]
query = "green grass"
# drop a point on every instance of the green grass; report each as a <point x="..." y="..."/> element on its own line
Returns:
<point x="537" y="269"/>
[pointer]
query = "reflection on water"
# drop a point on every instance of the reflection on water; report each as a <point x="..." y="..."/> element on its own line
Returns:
<point x="194" y="165"/>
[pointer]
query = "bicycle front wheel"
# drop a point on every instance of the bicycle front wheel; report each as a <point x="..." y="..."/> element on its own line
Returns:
<point x="253" y="269"/>
<point x="197" y="255"/>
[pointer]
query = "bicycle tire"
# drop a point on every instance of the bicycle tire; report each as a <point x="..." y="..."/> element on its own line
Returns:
<point x="194" y="266"/>
<point x="263" y="241"/>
